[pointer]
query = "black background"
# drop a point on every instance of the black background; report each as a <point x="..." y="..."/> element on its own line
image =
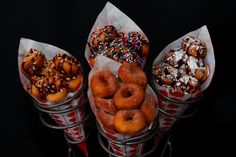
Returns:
<point x="66" y="24"/>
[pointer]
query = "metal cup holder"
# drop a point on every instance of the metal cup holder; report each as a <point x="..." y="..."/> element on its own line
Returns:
<point x="64" y="108"/>
<point x="175" y="101"/>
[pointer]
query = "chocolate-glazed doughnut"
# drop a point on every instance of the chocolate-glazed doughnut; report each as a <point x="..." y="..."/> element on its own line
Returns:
<point x="33" y="62"/>
<point x="194" y="47"/>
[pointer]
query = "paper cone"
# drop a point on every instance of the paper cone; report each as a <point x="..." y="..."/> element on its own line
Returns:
<point x="166" y="122"/>
<point x="77" y="133"/>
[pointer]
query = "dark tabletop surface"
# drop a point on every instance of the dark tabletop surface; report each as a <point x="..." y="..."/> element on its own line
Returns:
<point x="66" y="24"/>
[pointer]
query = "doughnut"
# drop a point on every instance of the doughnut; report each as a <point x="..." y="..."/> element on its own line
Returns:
<point x="129" y="96"/>
<point x="48" y="85"/>
<point x="129" y="121"/>
<point x="132" y="73"/>
<point x="165" y="73"/>
<point x="176" y="57"/>
<point x="75" y="83"/>
<point x="66" y="65"/>
<point x="194" y="47"/>
<point x="106" y="119"/>
<point x="148" y="108"/>
<point x="197" y="68"/>
<point x="139" y="44"/>
<point x="58" y="96"/>
<point x="105" y="104"/>
<point x="103" y="84"/>
<point x="102" y="35"/>
<point x="33" y="62"/>
<point x="35" y="92"/>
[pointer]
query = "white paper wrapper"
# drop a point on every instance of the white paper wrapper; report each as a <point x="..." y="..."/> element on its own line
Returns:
<point x="126" y="150"/>
<point x="77" y="133"/>
<point x="49" y="52"/>
<point x="111" y="15"/>
<point x="174" y="108"/>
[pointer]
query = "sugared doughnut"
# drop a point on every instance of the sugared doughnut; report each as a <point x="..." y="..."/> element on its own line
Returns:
<point x="149" y="109"/>
<point x="33" y="62"/>
<point x="103" y="83"/>
<point x="197" y="68"/>
<point x="165" y="73"/>
<point x="105" y="104"/>
<point x="176" y="57"/>
<point x="194" y="47"/>
<point x="106" y="119"/>
<point x="129" y="121"/>
<point x="132" y="73"/>
<point x="129" y="96"/>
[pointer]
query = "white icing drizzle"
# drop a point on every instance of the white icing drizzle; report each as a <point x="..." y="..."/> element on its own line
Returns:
<point x="192" y="63"/>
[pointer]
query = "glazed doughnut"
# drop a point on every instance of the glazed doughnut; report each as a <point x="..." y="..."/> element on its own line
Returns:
<point x="102" y="35"/>
<point x="132" y="73"/>
<point x="119" y="46"/>
<point x="194" y="47"/>
<point x="149" y="109"/>
<point x="138" y="43"/>
<point x="75" y="83"/>
<point x="58" y="96"/>
<point x="105" y="104"/>
<point x="33" y="62"/>
<point x="129" y="121"/>
<point x="106" y="119"/>
<point x="165" y="73"/>
<point x="66" y="65"/>
<point x="103" y="83"/>
<point x="129" y="96"/>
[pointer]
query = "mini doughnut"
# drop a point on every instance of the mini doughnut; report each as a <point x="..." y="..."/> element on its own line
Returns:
<point x="194" y="47"/>
<point x="58" y="96"/>
<point x="66" y="65"/>
<point x="105" y="104"/>
<point x="176" y="57"/>
<point x="33" y="62"/>
<point x="148" y="108"/>
<point x="138" y="43"/>
<point x="35" y="92"/>
<point x="129" y="121"/>
<point x="103" y="83"/>
<point x="129" y="96"/>
<point x="197" y="68"/>
<point x="102" y="35"/>
<point x="106" y="119"/>
<point x="75" y="83"/>
<point x="132" y="73"/>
